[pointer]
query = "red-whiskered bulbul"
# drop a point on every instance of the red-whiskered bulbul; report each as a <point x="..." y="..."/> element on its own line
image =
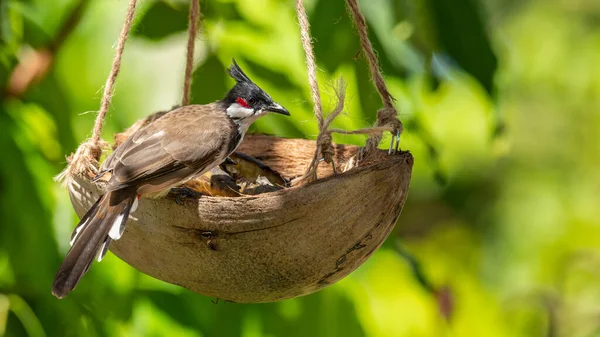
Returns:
<point x="183" y="143"/>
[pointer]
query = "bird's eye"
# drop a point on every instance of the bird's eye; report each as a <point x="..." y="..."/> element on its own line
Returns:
<point x="252" y="101"/>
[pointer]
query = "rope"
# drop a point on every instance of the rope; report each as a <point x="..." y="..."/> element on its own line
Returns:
<point x="386" y="115"/>
<point x="85" y="159"/>
<point x="325" y="148"/>
<point x="311" y="67"/>
<point x="194" y="20"/>
<point x="114" y="71"/>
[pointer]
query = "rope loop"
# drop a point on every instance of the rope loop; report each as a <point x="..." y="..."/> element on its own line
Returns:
<point x="387" y="119"/>
<point x="324" y="143"/>
<point x="388" y="114"/>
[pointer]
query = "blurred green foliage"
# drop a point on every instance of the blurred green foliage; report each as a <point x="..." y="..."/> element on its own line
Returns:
<point x="500" y="101"/>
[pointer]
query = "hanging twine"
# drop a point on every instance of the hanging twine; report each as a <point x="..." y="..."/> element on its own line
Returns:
<point x="112" y="77"/>
<point x="325" y="148"/>
<point x="388" y="114"/>
<point x="311" y="66"/>
<point x="194" y="23"/>
<point x="85" y="159"/>
<point x="323" y="139"/>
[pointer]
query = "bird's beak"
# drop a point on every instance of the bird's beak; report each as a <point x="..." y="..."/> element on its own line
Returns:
<point x="276" y="108"/>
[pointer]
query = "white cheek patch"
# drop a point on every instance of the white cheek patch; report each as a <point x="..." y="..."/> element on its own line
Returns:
<point x="237" y="111"/>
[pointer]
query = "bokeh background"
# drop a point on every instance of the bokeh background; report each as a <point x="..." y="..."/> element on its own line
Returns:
<point x="500" y="235"/>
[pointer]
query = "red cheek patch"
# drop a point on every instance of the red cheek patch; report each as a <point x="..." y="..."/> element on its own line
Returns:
<point x="242" y="102"/>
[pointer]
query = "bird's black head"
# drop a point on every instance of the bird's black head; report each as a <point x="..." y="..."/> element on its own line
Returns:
<point x="246" y="100"/>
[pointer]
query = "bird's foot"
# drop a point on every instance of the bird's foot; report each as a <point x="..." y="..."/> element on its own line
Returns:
<point x="395" y="143"/>
<point x="181" y="193"/>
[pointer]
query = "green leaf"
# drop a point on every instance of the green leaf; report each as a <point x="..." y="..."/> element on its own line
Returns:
<point x="198" y="312"/>
<point x="396" y="55"/>
<point x="34" y="34"/>
<point x="4" y="307"/>
<point x="330" y="312"/>
<point x="174" y="306"/>
<point x="11" y="34"/>
<point x="285" y="126"/>
<point x="462" y="35"/>
<point x="25" y="180"/>
<point x="162" y="20"/>
<point x="209" y="81"/>
<point x="27" y="316"/>
<point x="329" y="27"/>
<point x="50" y="94"/>
<point x="273" y="77"/>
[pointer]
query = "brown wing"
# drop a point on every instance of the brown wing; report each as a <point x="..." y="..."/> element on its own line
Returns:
<point x="172" y="148"/>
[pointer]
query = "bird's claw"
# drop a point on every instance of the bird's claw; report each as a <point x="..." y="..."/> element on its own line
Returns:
<point x="332" y="166"/>
<point x="394" y="143"/>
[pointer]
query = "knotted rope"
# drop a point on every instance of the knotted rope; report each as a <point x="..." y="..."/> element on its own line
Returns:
<point x="388" y="114"/>
<point x="386" y="117"/>
<point x="88" y="154"/>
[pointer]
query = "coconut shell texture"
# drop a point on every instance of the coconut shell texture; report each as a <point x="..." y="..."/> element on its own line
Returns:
<point x="271" y="246"/>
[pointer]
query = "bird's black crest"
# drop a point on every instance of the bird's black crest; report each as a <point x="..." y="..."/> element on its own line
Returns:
<point x="237" y="73"/>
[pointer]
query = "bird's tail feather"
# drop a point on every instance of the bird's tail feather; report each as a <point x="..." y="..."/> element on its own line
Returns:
<point x="103" y="222"/>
